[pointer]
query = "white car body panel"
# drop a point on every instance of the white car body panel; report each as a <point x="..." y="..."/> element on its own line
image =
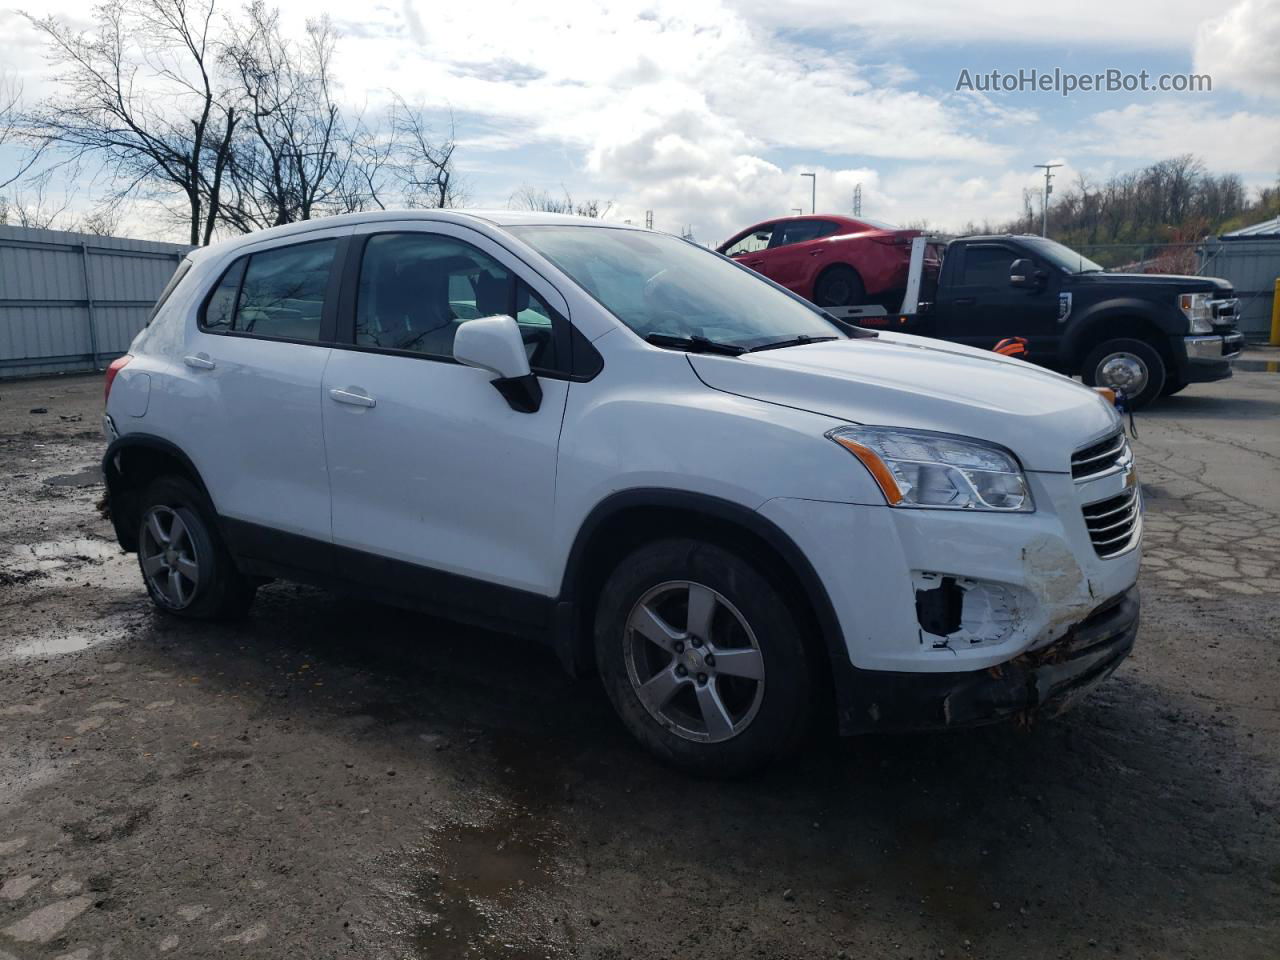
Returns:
<point x="442" y="472"/>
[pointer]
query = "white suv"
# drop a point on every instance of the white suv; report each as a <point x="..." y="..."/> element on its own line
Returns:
<point x="744" y="514"/>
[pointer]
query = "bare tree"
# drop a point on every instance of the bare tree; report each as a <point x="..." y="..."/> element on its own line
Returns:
<point x="11" y="131"/>
<point x="289" y="162"/>
<point x="542" y="201"/>
<point x="36" y="206"/>
<point x="424" y="167"/>
<point x="140" y="94"/>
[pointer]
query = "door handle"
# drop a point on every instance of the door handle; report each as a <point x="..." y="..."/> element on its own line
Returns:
<point x="965" y="301"/>
<point x="754" y="263"/>
<point x="199" y="361"/>
<point x="354" y="396"/>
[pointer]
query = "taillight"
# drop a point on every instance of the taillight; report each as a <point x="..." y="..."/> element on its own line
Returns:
<point x="893" y="240"/>
<point x="116" y="366"/>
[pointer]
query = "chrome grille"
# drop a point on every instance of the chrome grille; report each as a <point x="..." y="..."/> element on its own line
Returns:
<point x="1100" y="458"/>
<point x="1113" y="523"/>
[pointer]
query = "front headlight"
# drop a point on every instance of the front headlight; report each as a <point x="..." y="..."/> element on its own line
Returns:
<point x="917" y="468"/>
<point x="1197" y="310"/>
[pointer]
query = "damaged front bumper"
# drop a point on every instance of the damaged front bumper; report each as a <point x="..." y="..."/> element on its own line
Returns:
<point x="1046" y="680"/>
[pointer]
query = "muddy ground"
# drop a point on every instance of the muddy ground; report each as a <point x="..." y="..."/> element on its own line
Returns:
<point x="337" y="779"/>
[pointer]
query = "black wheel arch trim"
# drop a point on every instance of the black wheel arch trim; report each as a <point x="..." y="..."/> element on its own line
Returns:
<point x="568" y="639"/>
<point x="1082" y="329"/>
<point x="112" y="475"/>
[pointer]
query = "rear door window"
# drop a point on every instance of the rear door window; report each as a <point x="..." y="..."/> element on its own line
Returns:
<point x="277" y="293"/>
<point x="800" y="231"/>
<point x="282" y="295"/>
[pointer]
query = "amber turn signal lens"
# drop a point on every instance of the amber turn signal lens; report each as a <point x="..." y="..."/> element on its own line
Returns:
<point x="882" y="474"/>
<point x="1108" y="393"/>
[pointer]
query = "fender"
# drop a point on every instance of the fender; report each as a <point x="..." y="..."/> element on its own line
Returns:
<point x="569" y="642"/>
<point x="113" y="474"/>
<point x="1082" y="327"/>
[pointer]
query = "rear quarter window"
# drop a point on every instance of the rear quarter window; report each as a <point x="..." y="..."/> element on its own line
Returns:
<point x="178" y="275"/>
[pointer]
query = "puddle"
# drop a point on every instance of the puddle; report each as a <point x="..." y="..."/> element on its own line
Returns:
<point x="57" y="554"/>
<point x="90" y="476"/>
<point x="51" y="646"/>
<point x="479" y="876"/>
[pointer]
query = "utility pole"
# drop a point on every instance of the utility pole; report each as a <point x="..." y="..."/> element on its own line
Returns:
<point x="648" y="219"/>
<point x="1048" y="169"/>
<point x="813" y="191"/>
<point x="857" y="200"/>
<point x="797" y="209"/>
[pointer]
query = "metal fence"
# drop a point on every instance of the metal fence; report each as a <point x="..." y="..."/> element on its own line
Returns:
<point x="73" y="302"/>
<point x="1252" y="266"/>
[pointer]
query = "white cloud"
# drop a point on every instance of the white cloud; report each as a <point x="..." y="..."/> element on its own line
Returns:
<point x="1241" y="48"/>
<point x="1132" y="25"/>
<point x="1244" y="142"/>
<point x="706" y="111"/>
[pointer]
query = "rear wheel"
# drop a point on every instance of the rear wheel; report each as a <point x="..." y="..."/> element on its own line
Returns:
<point x="839" y="286"/>
<point x="1133" y="367"/>
<point x="1173" y="386"/>
<point x="185" y="567"/>
<point x="702" y="658"/>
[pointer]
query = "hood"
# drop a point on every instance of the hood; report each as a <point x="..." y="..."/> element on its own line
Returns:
<point x="899" y="380"/>
<point x="1182" y="284"/>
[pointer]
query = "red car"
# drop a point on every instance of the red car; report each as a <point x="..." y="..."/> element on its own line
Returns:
<point x="831" y="261"/>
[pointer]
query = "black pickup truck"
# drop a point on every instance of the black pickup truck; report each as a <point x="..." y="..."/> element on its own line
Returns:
<point x="1147" y="335"/>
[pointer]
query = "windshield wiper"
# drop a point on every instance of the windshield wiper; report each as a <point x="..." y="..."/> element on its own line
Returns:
<point x="799" y="341"/>
<point x="694" y="344"/>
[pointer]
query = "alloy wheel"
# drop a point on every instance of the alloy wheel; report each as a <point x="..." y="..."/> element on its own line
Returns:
<point x="694" y="661"/>
<point x="169" y="558"/>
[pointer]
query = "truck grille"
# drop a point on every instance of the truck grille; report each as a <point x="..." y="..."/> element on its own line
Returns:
<point x="1113" y="522"/>
<point x="1101" y="457"/>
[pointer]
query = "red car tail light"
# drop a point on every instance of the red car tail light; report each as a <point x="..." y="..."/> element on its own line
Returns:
<point x="892" y="240"/>
<point x="116" y="366"/>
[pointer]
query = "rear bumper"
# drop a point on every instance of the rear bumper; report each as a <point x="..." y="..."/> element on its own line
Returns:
<point x="1046" y="680"/>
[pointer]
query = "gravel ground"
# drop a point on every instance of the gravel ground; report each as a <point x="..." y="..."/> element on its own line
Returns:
<point x="336" y="779"/>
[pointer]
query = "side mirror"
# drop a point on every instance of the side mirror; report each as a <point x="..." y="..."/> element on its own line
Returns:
<point x="494" y="344"/>
<point x="1023" y="274"/>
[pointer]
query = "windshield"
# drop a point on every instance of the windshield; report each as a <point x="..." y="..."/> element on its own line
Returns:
<point x="658" y="284"/>
<point x="1062" y="257"/>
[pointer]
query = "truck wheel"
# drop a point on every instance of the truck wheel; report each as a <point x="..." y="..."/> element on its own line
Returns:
<point x="839" y="286"/>
<point x="1133" y="366"/>
<point x="702" y="658"/>
<point x="186" y="569"/>
<point x="1173" y="386"/>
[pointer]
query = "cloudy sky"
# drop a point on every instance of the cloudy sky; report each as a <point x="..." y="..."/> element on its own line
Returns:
<point x="707" y="111"/>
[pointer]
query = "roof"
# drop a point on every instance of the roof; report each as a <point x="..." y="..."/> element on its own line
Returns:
<point x="1267" y="228"/>
<point x="494" y="218"/>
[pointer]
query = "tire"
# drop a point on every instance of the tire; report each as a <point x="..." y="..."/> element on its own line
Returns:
<point x="1173" y="386"/>
<point x="185" y="566"/>
<point x="1123" y="361"/>
<point x="839" y="286"/>
<point x="699" y="715"/>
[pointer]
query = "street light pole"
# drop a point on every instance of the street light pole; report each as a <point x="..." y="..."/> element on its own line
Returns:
<point x="813" y="191"/>
<point x="1048" y="189"/>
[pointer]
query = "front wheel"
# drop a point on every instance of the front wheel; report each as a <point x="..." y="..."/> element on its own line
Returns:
<point x="1133" y="367"/>
<point x="839" y="286"/>
<point x="186" y="569"/>
<point x="702" y="658"/>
